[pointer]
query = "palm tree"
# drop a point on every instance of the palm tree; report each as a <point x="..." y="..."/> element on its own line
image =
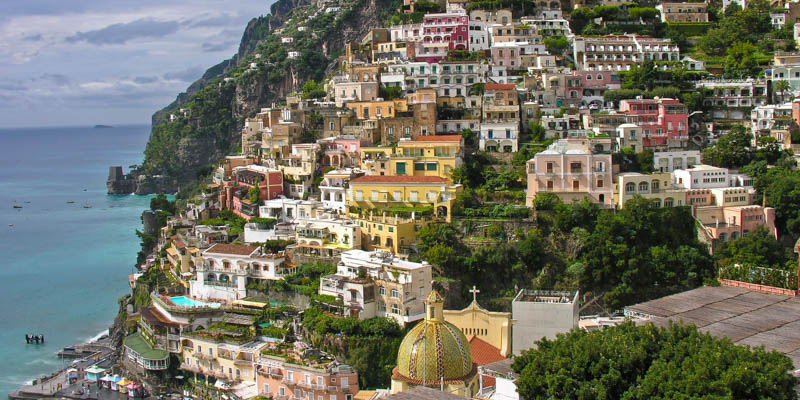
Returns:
<point x="782" y="86"/>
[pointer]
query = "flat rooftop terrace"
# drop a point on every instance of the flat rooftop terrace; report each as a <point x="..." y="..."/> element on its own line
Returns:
<point x="747" y="317"/>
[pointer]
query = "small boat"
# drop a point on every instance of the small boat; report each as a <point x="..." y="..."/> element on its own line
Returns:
<point x="87" y="205"/>
<point x="16" y="206"/>
<point x="10" y="224"/>
<point x="27" y="202"/>
<point x="70" y="202"/>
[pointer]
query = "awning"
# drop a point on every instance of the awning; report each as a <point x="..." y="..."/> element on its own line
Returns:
<point x="220" y="384"/>
<point x="106" y="378"/>
<point x="95" y="370"/>
<point x="248" y="303"/>
<point x="246" y="390"/>
<point x="124" y="382"/>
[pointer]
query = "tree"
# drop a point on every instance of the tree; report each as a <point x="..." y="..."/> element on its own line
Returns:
<point x="313" y="90"/>
<point x="642" y="77"/>
<point x="629" y="362"/>
<point x="579" y="18"/>
<point x="732" y="150"/>
<point x="556" y="44"/>
<point x="768" y="149"/>
<point x="758" y="248"/>
<point x="255" y="195"/>
<point x="537" y="132"/>
<point x="741" y="62"/>
<point x="782" y="86"/>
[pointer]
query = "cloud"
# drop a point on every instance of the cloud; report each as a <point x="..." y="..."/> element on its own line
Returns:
<point x="211" y="20"/>
<point x="220" y="46"/>
<point x="121" y="33"/>
<point x="188" y="75"/>
<point x="33" y="37"/>
<point x="145" y="79"/>
<point x="56" y="79"/>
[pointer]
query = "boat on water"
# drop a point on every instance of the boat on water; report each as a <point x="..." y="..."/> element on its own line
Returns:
<point x="87" y="205"/>
<point x="70" y="202"/>
<point x="15" y="205"/>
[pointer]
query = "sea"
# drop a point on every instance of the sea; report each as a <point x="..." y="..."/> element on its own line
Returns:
<point x="65" y="255"/>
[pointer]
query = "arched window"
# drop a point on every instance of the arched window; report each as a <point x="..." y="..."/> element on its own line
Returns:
<point x="654" y="186"/>
<point x="630" y="187"/>
<point x="643" y="187"/>
<point x="668" y="202"/>
<point x="723" y="237"/>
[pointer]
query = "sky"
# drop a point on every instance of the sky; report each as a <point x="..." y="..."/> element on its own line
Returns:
<point x="87" y="62"/>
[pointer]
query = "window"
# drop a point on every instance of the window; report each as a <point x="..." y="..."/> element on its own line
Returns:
<point x="432" y="166"/>
<point x="266" y="388"/>
<point x="549" y="169"/>
<point x="576" y="185"/>
<point x="401" y="168"/>
<point x="359" y="195"/>
<point x="395" y="310"/>
<point x="395" y="293"/>
<point x="397" y="196"/>
<point x="414" y="197"/>
<point x="374" y="196"/>
<point x="419" y="166"/>
<point x="331" y="126"/>
<point x="630" y="187"/>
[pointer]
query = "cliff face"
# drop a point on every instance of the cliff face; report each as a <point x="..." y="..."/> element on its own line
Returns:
<point x="203" y="124"/>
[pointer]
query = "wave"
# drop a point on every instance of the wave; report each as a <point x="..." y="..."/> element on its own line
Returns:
<point x="97" y="337"/>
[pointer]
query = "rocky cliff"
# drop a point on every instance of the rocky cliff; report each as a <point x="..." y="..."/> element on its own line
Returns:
<point x="203" y="124"/>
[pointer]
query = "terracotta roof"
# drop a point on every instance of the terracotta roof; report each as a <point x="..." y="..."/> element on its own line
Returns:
<point x="439" y="138"/>
<point x="235" y="249"/>
<point x="424" y="393"/>
<point x="484" y="353"/>
<point x="397" y="179"/>
<point x="499" y="86"/>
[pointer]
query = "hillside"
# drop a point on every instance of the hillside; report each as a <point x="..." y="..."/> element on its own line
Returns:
<point x="203" y="124"/>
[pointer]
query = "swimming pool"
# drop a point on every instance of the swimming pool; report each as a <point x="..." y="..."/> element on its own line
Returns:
<point x="184" y="301"/>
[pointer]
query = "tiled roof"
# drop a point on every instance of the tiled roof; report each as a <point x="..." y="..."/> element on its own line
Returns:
<point x="236" y="249"/>
<point x="424" y="393"/>
<point x="439" y="138"/>
<point x="499" y="86"/>
<point x="397" y="179"/>
<point x="483" y="353"/>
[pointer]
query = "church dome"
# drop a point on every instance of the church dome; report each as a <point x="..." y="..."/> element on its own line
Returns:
<point x="434" y="350"/>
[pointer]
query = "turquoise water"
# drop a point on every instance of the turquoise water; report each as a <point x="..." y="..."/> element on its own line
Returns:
<point x="187" y="302"/>
<point x="64" y="266"/>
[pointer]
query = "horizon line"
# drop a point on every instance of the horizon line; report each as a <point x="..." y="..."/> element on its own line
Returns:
<point x="127" y="124"/>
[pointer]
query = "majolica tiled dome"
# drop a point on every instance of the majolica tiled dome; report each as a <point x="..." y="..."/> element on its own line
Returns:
<point x="434" y="349"/>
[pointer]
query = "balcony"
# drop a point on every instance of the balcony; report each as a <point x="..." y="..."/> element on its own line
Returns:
<point x="203" y="356"/>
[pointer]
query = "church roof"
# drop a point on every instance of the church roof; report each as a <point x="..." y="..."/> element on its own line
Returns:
<point x="434" y="350"/>
<point x="424" y="393"/>
<point x="484" y="353"/>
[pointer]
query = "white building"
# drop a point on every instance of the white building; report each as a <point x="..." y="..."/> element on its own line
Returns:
<point x="701" y="176"/>
<point x="668" y="161"/>
<point x="333" y="188"/>
<point x="327" y="236"/>
<point x="542" y="314"/>
<point x="226" y="268"/>
<point x="378" y="284"/>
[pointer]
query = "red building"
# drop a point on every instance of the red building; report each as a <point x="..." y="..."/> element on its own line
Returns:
<point x="664" y="122"/>
<point x="235" y="193"/>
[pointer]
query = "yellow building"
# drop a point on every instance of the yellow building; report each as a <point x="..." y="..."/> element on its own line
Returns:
<point x="493" y="328"/>
<point x="384" y="192"/>
<point x="436" y="354"/>
<point x="428" y="155"/>
<point x="388" y="233"/>
<point x="377" y="109"/>
<point x="657" y="186"/>
<point x="230" y="362"/>
<point x="425" y="156"/>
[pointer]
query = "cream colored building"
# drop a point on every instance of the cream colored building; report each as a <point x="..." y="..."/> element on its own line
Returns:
<point x="491" y="327"/>
<point x="656" y="186"/>
<point x="226" y="361"/>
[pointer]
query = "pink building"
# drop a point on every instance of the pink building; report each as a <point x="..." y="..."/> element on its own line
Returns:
<point x="699" y="197"/>
<point x="341" y="152"/>
<point x="664" y="122"/>
<point x="235" y="192"/>
<point x="572" y="172"/>
<point x="720" y="224"/>
<point x="507" y="54"/>
<point x="280" y="379"/>
<point x="448" y="28"/>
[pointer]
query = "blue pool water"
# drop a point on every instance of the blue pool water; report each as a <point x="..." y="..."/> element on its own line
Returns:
<point x="187" y="302"/>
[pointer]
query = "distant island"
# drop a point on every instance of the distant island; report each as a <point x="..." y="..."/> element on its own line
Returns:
<point x="103" y="127"/>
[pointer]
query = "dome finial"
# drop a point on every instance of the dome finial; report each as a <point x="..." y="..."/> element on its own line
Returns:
<point x="434" y="306"/>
